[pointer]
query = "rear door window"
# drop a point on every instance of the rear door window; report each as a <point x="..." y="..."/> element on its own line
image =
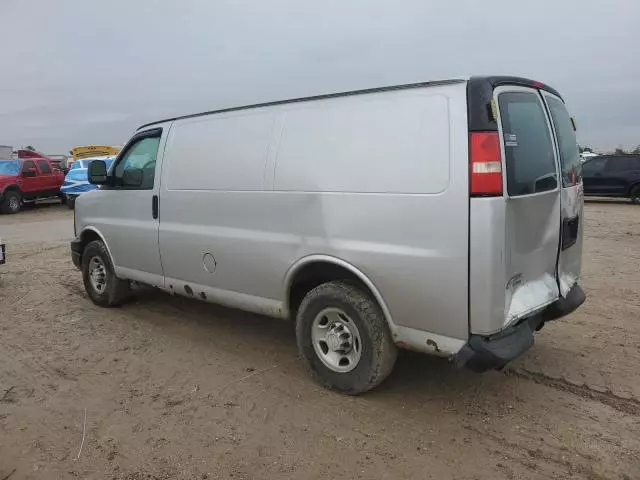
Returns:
<point x="529" y="154"/>
<point x="567" y="142"/>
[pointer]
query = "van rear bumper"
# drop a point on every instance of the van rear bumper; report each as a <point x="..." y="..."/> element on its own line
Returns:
<point x="484" y="353"/>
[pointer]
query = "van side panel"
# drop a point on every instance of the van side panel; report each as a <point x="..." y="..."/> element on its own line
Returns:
<point x="381" y="181"/>
<point x="377" y="180"/>
<point x="389" y="143"/>
<point x="215" y="225"/>
<point x="224" y="152"/>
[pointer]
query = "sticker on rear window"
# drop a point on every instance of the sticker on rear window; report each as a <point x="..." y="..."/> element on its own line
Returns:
<point x="510" y="140"/>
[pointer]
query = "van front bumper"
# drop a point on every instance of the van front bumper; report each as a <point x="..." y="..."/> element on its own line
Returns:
<point x="484" y="353"/>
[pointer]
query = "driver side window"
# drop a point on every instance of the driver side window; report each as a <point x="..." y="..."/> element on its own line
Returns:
<point x="137" y="167"/>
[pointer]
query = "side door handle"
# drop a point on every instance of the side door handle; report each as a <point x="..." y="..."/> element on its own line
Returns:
<point x="154" y="206"/>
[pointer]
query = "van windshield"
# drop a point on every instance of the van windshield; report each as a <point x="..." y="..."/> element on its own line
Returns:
<point x="529" y="155"/>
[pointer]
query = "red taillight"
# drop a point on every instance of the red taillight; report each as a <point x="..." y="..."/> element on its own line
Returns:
<point x="485" y="162"/>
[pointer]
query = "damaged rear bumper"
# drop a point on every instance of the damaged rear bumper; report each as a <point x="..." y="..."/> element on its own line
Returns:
<point x="484" y="353"/>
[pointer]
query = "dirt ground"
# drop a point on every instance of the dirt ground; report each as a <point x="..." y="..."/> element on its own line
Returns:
<point x="170" y="388"/>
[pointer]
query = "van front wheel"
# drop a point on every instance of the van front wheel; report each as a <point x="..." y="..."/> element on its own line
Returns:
<point x="344" y="339"/>
<point x="100" y="281"/>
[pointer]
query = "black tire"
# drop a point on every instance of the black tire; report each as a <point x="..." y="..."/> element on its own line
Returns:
<point x="116" y="290"/>
<point x="635" y="195"/>
<point x="378" y="354"/>
<point x="11" y="202"/>
<point x="71" y="202"/>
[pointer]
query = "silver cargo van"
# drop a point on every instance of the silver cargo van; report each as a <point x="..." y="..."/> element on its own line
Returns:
<point x="443" y="217"/>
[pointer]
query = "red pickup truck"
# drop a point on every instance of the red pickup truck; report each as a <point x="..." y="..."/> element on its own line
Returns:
<point x="24" y="180"/>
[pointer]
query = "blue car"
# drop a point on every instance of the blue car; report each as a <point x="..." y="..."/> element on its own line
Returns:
<point x="77" y="181"/>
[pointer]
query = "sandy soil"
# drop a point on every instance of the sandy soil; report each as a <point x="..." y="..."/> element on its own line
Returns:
<point x="166" y="387"/>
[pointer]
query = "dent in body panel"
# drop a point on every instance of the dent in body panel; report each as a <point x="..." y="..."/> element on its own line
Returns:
<point x="513" y="252"/>
<point x="523" y="298"/>
<point x="532" y="240"/>
<point x="570" y="260"/>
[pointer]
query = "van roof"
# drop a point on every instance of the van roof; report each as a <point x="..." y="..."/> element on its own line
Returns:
<point x="480" y="83"/>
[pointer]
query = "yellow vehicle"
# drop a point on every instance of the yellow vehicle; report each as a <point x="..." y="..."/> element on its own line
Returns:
<point x="89" y="151"/>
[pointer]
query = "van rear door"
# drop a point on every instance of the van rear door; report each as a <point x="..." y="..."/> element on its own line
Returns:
<point x="572" y="193"/>
<point x="532" y="201"/>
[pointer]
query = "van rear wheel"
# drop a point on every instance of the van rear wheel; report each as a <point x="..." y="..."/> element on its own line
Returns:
<point x="100" y="281"/>
<point x="344" y="339"/>
<point x="635" y="195"/>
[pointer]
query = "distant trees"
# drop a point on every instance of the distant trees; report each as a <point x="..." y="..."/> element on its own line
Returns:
<point x="622" y="151"/>
<point x="617" y="151"/>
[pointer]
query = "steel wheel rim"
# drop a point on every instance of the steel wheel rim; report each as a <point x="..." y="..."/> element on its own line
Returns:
<point x="97" y="275"/>
<point x="14" y="204"/>
<point x="336" y="340"/>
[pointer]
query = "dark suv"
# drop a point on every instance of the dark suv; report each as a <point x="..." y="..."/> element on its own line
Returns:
<point x="612" y="176"/>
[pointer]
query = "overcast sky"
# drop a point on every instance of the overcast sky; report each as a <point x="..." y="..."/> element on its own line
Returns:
<point x="76" y="72"/>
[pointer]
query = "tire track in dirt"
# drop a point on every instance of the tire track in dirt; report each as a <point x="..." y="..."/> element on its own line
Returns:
<point x="41" y="251"/>
<point x="529" y="457"/>
<point x="629" y="406"/>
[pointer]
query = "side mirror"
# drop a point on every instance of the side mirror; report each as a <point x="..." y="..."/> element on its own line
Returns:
<point x="132" y="178"/>
<point x="97" y="172"/>
<point x="30" y="172"/>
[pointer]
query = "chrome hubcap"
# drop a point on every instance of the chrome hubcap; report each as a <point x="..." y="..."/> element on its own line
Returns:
<point x="336" y="340"/>
<point x="97" y="275"/>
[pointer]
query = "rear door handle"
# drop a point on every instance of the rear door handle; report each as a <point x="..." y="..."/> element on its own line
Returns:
<point x="154" y="206"/>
